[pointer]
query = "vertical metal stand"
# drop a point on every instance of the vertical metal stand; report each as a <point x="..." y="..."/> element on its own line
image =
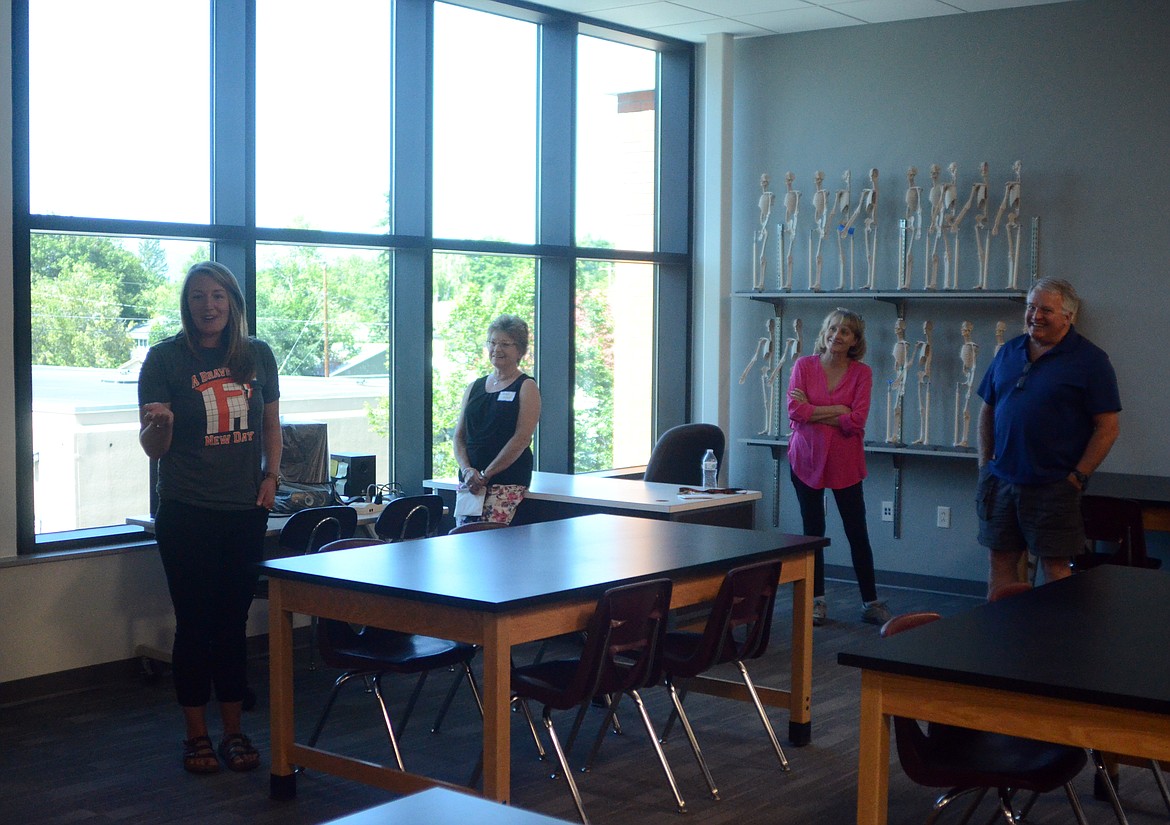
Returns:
<point x="781" y="257"/>
<point x="1034" y="260"/>
<point x="902" y="282"/>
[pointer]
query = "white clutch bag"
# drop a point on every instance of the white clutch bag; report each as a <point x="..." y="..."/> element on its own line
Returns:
<point x="468" y="503"/>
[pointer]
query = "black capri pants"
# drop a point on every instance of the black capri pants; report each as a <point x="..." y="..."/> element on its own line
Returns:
<point x="210" y="559"/>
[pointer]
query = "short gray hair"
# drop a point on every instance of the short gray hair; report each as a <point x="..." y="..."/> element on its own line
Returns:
<point x="514" y="327"/>
<point x="1068" y="294"/>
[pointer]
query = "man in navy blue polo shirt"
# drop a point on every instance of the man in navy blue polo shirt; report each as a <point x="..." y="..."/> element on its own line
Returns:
<point x="1049" y="417"/>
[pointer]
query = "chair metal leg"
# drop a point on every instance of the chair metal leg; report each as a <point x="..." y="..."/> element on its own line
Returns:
<point x="1075" y="801"/>
<point x="682" y="806"/>
<point x="686" y="724"/>
<point x="470" y="677"/>
<point x="531" y="727"/>
<point x="610" y="714"/>
<point x="447" y="700"/>
<point x="341" y="680"/>
<point x="682" y="695"/>
<point x="568" y="774"/>
<point x="747" y="680"/>
<point x="1160" y="780"/>
<point x="1106" y="782"/>
<point x="412" y="701"/>
<point x="941" y="804"/>
<point x="386" y="720"/>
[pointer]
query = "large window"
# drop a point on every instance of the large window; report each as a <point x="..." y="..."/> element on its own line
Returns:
<point x="384" y="177"/>
<point x="323" y="80"/>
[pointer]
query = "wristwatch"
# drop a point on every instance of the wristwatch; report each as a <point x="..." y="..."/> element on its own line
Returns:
<point x="1082" y="478"/>
<point x="274" y="476"/>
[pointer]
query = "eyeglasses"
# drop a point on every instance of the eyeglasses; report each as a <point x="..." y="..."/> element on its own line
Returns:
<point x="1024" y="375"/>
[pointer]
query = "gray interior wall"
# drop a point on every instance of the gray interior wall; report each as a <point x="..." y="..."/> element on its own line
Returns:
<point x="1076" y="91"/>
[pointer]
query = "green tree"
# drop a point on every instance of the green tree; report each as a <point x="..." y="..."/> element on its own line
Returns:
<point x="87" y="293"/>
<point x="315" y="313"/>
<point x="593" y="399"/>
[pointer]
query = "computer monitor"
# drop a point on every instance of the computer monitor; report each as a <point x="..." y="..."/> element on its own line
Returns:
<point x="305" y="458"/>
<point x="352" y="473"/>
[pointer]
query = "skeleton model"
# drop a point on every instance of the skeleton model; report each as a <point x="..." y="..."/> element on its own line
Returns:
<point x="977" y="200"/>
<point x="968" y="354"/>
<point x="792" y="348"/>
<point x="868" y="204"/>
<point x="950" y="227"/>
<point x="924" y="355"/>
<point x="896" y="390"/>
<point x="791" y="202"/>
<point x="841" y="207"/>
<point x="1000" y="329"/>
<point x="771" y="364"/>
<point x="1011" y="205"/>
<point x="934" y="231"/>
<point x="765" y="355"/>
<point x="913" y="223"/>
<point x="760" y="241"/>
<point x="820" y="228"/>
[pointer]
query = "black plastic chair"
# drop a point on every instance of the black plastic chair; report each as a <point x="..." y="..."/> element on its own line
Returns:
<point x="737" y="630"/>
<point x="410" y="517"/>
<point x="306" y="531"/>
<point x="678" y="456"/>
<point x="369" y="653"/>
<point x="623" y="643"/>
<point x="966" y="761"/>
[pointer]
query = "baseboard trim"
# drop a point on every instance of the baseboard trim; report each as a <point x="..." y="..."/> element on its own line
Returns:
<point x="81" y="679"/>
<point x="914" y="581"/>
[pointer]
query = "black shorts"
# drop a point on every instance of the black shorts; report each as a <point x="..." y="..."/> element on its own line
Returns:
<point x="1044" y="519"/>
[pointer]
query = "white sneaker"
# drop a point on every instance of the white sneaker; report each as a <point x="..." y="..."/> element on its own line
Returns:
<point x="820" y="612"/>
<point x="875" y="612"/>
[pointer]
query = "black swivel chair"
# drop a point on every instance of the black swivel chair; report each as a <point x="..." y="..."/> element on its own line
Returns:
<point x="369" y="653"/>
<point x="410" y="517"/>
<point x="678" y="455"/>
<point x="965" y="760"/>
<point x="737" y="630"/>
<point x="623" y="643"/>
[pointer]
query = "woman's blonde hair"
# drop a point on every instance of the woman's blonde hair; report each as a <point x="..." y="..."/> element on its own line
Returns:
<point x="843" y="317"/>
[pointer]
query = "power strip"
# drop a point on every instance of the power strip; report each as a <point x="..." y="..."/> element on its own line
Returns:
<point x="365" y="508"/>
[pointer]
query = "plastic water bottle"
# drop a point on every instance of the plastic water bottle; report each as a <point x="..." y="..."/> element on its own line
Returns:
<point x="710" y="469"/>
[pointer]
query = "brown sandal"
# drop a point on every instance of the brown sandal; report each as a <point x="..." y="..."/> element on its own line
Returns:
<point x="199" y="756"/>
<point x="237" y="752"/>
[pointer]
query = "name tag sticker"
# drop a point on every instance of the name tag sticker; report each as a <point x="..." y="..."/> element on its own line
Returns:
<point x="510" y="395"/>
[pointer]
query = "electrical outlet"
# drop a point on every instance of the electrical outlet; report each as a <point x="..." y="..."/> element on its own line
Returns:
<point x="944" y="516"/>
<point x="887" y="511"/>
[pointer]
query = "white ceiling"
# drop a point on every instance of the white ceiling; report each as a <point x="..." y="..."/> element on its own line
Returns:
<point x="695" y="19"/>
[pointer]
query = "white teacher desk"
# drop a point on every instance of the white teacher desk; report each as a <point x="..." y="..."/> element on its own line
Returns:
<point x="554" y="496"/>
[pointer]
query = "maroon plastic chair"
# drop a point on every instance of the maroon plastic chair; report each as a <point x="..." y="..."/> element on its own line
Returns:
<point x="737" y="630"/>
<point x="622" y="653"/>
<point x="966" y="761"/>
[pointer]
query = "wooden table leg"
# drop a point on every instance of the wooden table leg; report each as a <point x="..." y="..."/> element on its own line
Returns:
<point x="497" y="742"/>
<point x="873" y="769"/>
<point x="800" y="700"/>
<point x="282" y="781"/>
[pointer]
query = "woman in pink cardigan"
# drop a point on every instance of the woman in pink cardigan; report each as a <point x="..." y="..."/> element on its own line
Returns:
<point x="828" y="403"/>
